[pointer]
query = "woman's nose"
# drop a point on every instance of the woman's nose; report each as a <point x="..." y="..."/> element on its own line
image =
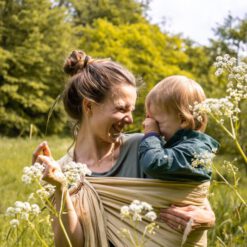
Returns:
<point x="128" y="118"/>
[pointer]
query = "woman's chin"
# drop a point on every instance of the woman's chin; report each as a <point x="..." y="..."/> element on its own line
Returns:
<point x="115" y="136"/>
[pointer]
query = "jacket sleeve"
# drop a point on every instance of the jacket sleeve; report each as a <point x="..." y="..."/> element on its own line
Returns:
<point x="159" y="162"/>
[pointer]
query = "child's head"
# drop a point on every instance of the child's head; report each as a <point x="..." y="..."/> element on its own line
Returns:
<point x="169" y="104"/>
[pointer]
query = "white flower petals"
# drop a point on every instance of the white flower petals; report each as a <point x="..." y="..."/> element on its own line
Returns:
<point x="21" y="211"/>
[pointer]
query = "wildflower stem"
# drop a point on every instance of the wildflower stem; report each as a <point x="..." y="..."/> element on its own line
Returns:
<point x="46" y="200"/>
<point x="60" y="218"/>
<point x="240" y="150"/>
<point x="232" y="187"/>
<point x="222" y="126"/>
<point x="237" y="143"/>
<point x="37" y="234"/>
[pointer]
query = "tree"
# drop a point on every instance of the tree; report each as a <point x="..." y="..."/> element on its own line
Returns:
<point x="34" y="38"/>
<point x="231" y="35"/>
<point x="85" y="12"/>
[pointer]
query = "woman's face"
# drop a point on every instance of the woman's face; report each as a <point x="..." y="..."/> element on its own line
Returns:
<point x="109" y="118"/>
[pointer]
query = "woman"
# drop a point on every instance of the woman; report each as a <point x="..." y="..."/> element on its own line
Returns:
<point x="100" y="96"/>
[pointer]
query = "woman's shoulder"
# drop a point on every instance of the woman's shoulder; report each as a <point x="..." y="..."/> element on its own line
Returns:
<point x="132" y="138"/>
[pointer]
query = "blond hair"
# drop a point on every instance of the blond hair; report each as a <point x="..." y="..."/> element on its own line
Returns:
<point x="176" y="94"/>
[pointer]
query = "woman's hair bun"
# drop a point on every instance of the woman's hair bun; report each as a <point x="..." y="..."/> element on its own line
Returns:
<point x="75" y="62"/>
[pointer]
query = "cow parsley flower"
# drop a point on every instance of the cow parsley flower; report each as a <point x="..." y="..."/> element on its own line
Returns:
<point x="32" y="173"/>
<point x="22" y="211"/>
<point x="74" y="171"/>
<point x="204" y="159"/>
<point x="135" y="213"/>
<point x="14" y="223"/>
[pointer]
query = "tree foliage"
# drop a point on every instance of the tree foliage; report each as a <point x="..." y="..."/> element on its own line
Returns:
<point x="84" y="12"/>
<point x="34" y="38"/>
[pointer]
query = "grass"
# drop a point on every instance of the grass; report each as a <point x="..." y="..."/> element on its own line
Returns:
<point x="15" y="154"/>
<point x="231" y="224"/>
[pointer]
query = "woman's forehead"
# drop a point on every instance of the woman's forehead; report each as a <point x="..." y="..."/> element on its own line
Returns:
<point x="123" y="92"/>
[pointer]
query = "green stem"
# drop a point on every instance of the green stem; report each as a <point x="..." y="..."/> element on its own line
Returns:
<point x="37" y="234"/>
<point x="237" y="143"/>
<point x="232" y="187"/>
<point x="240" y="150"/>
<point x="46" y="200"/>
<point x="143" y="235"/>
<point x="60" y="219"/>
<point x="58" y="215"/>
<point x="222" y="126"/>
<point x="232" y="135"/>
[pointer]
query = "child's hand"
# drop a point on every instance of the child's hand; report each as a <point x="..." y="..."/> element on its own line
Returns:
<point x="150" y="125"/>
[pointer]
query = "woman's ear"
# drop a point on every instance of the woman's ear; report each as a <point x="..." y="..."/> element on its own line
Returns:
<point x="87" y="106"/>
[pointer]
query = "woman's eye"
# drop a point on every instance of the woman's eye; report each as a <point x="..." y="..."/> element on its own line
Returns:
<point x="121" y="109"/>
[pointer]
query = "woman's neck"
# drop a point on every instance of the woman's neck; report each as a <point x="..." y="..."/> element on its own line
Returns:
<point x="96" y="153"/>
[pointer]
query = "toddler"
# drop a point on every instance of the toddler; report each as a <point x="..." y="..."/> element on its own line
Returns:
<point x="173" y="137"/>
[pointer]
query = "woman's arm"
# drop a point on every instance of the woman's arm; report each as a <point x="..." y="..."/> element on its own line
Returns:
<point x="70" y="221"/>
<point x="69" y="217"/>
<point x="178" y="217"/>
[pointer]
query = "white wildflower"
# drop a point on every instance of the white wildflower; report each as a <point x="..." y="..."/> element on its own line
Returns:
<point x="124" y="211"/>
<point x="10" y="211"/>
<point x="32" y="173"/>
<point x="151" y="215"/>
<point x="219" y="72"/>
<point x="204" y="159"/>
<point x="14" y="223"/>
<point x="46" y="192"/>
<point x="73" y="172"/>
<point x="137" y="217"/>
<point x="35" y="209"/>
<point x="135" y="212"/>
<point x="22" y="210"/>
<point x="146" y="206"/>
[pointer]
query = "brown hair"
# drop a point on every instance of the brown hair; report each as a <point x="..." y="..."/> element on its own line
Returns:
<point x="91" y="79"/>
<point x="176" y="94"/>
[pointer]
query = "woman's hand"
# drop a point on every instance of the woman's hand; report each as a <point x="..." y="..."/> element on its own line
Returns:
<point x="178" y="217"/>
<point x="43" y="149"/>
<point x="52" y="173"/>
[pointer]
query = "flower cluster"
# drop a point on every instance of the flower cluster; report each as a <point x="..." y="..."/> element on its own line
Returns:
<point x="236" y="91"/>
<point x="44" y="193"/>
<point x="230" y="168"/>
<point x="137" y="210"/>
<point x="237" y="77"/>
<point x="73" y="172"/>
<point x="21" y="211"/>
<point x="219" y="108"/>
<point x="204" y="159"/>
<point x="32" y="173"/>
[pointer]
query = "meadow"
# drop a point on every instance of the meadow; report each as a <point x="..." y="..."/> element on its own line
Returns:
<point x="231" y="224"/>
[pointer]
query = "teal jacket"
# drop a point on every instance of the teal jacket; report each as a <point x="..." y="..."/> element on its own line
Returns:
<point x="172" y="160"/>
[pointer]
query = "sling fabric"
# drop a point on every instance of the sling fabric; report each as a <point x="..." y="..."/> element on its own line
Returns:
<point x="98" y="200"/>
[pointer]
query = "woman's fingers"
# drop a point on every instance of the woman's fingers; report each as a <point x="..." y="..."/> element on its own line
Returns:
<point x="175" y="212"/>
<point x="42" y="148"/>
<point x="174" y="218"/>
<point x="52" y="173"/>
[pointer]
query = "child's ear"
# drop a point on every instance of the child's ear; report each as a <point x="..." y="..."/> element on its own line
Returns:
<point x="183" y="121"/>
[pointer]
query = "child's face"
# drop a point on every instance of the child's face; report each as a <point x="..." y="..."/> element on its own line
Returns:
<point x="169" y="122"/>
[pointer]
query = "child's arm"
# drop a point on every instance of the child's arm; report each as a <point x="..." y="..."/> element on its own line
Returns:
<point x="170" y="163"/>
